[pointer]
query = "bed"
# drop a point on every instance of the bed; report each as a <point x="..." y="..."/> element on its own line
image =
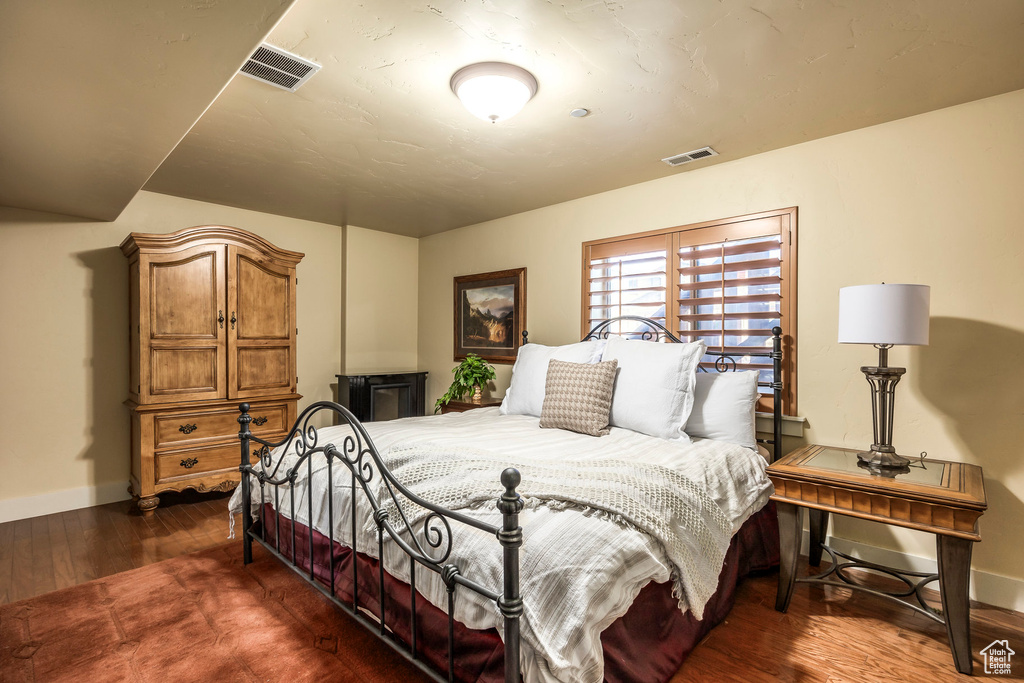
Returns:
<point x="499" y="545"/>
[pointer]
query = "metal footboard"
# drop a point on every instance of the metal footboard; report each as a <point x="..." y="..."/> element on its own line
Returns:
<point x="430" y="546"/>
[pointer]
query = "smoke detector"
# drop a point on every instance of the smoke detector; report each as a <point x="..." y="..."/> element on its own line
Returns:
<point x="687" y="157"/>
<point x="278" y="68"/>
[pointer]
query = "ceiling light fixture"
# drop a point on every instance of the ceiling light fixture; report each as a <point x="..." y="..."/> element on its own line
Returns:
<point x="494" y="91"/>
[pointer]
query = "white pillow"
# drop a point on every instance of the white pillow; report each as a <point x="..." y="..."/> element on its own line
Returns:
<point x="525" y="395"/>
<point x="654" y="388"/>
<point x="723" y="407"/>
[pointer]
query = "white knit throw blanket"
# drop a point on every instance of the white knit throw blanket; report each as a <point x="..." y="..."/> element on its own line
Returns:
<point x="689" y="524"/>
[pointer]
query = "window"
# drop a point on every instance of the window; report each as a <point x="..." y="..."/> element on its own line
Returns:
<point x="626" y="278"/>
<point x="727" y="282"/>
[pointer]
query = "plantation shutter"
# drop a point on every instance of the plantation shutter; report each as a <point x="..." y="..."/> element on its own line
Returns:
<point x="727" y="282"/>
<point x="731" y="289"/>
<point x="626" y="277"/>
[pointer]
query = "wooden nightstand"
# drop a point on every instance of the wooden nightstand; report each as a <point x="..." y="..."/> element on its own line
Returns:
<point x="463" y="406"/>
<point x="943" y="498"/>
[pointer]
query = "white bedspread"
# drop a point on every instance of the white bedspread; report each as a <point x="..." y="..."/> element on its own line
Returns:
<point x="580" y="570"/>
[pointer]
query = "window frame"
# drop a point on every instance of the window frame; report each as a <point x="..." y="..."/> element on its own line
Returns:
<point x="780" y="221"/>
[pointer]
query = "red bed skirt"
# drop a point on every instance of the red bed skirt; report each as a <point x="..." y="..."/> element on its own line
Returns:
<point x="648" y="644"/>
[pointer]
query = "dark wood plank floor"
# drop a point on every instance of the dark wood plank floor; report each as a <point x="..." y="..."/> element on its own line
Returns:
<point x="829" y="635"/>
<point x="47" y="553"/>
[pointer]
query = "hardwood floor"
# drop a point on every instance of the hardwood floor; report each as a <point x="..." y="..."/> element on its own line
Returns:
<point x="64" y="549"/>
<point x="832" y="635"/>
<point x="829" y="635"/>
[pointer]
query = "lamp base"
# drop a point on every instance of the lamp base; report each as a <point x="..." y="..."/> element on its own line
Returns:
<point x="883" y="457"/>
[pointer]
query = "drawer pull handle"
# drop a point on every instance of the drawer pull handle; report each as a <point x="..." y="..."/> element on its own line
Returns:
<point x="260" y="421"/>
<point x="188" y="429"/>
<point x="189" y="463"/>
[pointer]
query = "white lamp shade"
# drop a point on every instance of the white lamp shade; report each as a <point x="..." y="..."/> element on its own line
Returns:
<point x="494" y="91"/>
<point x="884" y="314"/>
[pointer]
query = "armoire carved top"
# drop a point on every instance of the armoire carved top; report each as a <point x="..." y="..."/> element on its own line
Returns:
<point x="205" y="234"/>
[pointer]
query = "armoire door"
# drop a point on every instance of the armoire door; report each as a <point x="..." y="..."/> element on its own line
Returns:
<point x="261" y="332"/>
<point x="183" y="329"/>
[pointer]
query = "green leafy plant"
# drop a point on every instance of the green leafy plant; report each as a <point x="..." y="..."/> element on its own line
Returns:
<point x="473" y="372"/>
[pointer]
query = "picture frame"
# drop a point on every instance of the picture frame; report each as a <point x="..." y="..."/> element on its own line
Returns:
<point x="490" y="315"/>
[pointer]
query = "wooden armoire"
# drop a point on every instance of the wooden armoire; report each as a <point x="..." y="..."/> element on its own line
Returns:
<point x="212" y="325"/>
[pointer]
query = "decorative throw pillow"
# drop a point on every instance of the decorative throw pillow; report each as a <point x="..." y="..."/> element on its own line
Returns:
<point x="723" y="407"/>
<point x="525" y="395"/>
<point x="654" y="388"/>
<point x="578" y="396"/>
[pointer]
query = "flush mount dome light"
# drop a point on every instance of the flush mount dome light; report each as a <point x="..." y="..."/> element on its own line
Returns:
<point x="494" y="91"/>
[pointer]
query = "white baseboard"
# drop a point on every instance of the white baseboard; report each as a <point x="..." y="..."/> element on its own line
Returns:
<point x="991" y="589"/>
<point x="13" y="509"/>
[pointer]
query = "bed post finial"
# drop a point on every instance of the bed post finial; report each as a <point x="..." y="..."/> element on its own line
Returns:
<point x="243" y="434"/>
<point x="511" y="537"/>
<point x="526" y="337"/>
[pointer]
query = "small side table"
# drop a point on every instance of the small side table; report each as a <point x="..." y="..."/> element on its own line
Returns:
<point x="463" y="406"/>
<point x="939" y="497"/>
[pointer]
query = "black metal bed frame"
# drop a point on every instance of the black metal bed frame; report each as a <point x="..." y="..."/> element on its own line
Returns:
<point x="431" y="545"/>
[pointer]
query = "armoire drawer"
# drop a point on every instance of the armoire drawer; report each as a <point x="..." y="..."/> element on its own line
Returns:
<point x="183" y="428"/>
<point x="195" y="462"/>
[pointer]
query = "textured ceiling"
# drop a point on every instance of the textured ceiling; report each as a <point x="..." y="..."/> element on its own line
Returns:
<point x="377" y="139"/>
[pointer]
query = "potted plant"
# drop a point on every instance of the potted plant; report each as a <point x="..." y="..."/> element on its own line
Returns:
<point x="470" y="375"/>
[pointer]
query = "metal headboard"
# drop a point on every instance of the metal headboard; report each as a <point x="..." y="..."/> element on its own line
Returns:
<point x="651" y="330"/>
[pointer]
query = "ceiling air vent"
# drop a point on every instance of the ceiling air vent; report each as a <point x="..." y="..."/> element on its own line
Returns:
<point x="680" y="159"/>
<point x="279" y="68"/>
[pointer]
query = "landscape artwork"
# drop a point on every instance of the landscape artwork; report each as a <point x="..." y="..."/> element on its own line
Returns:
<point x="487" y="317"/>
<point x="490" y="314"/>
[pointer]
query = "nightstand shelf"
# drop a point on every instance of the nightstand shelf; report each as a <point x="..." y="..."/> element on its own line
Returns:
<point x="935" y="496"/>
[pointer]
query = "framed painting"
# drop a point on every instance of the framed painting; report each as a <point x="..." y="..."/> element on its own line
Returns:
<point x="490" y="315"/>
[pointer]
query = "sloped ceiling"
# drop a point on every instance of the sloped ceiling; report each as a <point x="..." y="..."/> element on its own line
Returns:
<point x="94" y="95"/>
<point x="377" y="139"/>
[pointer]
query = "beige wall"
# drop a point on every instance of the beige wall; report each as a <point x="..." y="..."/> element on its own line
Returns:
<point x="381" y="279"/>
<point x="933" y="199"/>
<point x="64" y="340"/>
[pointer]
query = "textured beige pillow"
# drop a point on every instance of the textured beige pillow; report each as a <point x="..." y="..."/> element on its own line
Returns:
<point x="578" y="396"/>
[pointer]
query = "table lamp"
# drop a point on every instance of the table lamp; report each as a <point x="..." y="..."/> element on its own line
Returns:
<point x="884" y="316"/>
